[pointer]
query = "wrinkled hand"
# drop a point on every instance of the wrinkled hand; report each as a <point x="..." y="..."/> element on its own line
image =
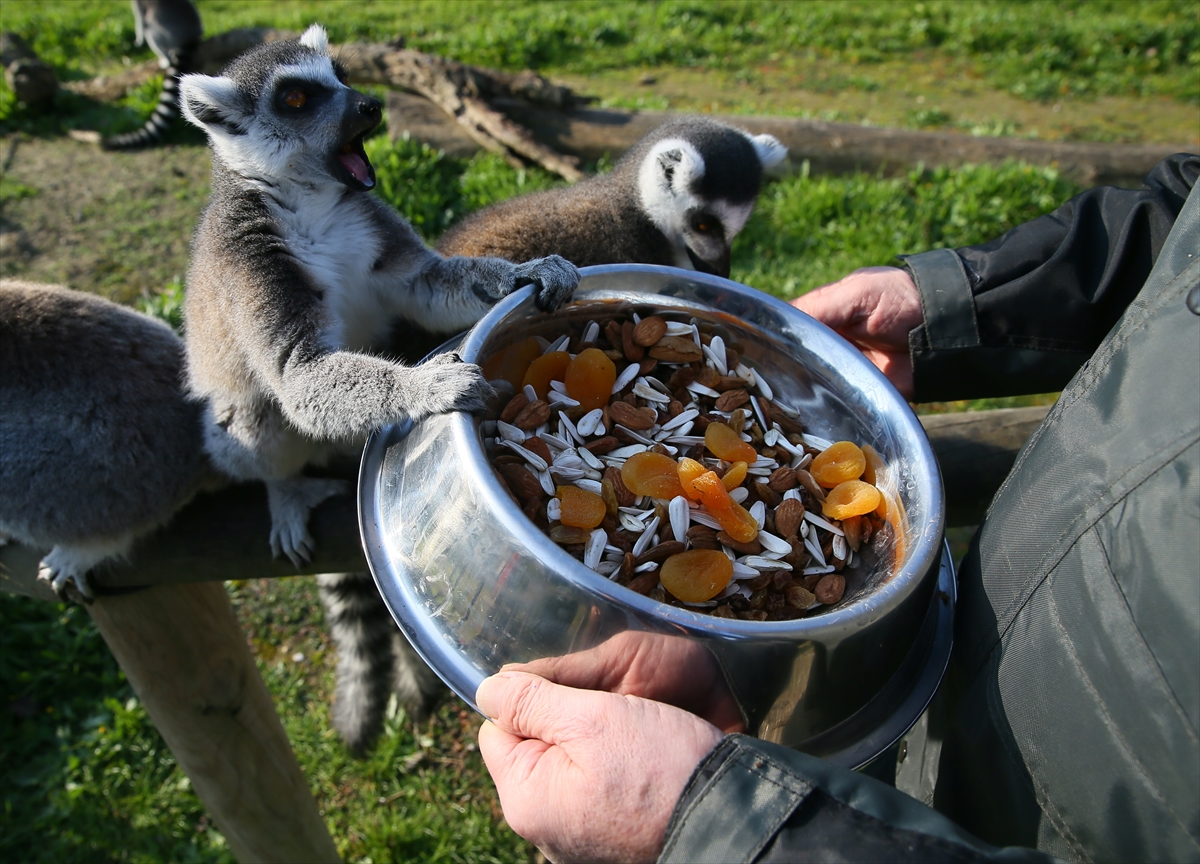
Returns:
<point x="585" y="775"/>
<point x="671" y="669"/>
<point x="875" y="308"/>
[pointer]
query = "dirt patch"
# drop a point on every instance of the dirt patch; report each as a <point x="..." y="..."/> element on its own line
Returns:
<point x="116" y="224"/>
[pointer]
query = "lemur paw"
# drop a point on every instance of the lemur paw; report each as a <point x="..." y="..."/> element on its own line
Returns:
<point x="445" y="383"/>
<point x="554" y="279"/>
<point x="68" y="581"/>
<point x="290" y="502"/>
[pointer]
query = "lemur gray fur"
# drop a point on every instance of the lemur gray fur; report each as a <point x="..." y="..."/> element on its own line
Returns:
<point x="173" y="31"/>
<point x="99" y="442"/>
<point x="677" y="198"/>
<point x="300" y="282"/>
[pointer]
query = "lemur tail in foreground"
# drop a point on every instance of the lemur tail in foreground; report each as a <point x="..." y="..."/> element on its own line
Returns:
<point x="173" y="31"/>
<point x="300" y="282"/>
<point x="99" y="443"/>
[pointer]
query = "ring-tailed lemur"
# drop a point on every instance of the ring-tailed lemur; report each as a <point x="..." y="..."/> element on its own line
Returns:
<point x="677" y="197"/>
<point x="173" y="31"/>
<point x="99" y="443"/>
<point x="299" y="281"/>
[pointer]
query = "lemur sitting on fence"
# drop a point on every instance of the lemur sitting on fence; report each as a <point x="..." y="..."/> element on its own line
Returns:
<point x="299" y="282"/>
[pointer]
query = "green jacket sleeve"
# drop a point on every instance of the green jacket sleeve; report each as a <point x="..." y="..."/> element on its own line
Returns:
<point x="1022" y="313"/>
<point x="750" y="800"/>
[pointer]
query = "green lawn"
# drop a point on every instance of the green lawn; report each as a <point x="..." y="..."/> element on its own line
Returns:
<point x="85" y="776"/>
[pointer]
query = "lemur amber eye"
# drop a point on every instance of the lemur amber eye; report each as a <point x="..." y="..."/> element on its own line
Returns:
<point x="295" y="99"/>
<point x="702" y="227"/>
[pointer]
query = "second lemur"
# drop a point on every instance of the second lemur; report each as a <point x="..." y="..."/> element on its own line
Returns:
<point x="677" y="198"/>
<point x="173" y="30"/>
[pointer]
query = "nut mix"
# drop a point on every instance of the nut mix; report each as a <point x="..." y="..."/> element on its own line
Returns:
<point x="648" y="450"/>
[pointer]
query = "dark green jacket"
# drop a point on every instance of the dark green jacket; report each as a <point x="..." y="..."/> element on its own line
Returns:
<point x="1069" y="719"/>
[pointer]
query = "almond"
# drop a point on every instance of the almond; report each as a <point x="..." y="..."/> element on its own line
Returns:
<point x="676" y="349"/>
<point x="831" y="588"/>
<point x="514" y="407"/>
<point x="751" y="548"/>
<point x="633" y="418"/>
<point x="661" y="552"/>
<point x="788" y="516"/>
<point x="602" y="445"/>
<point x="538" y="446"/>
<point x="633" y="351"/>
<point x="522" y="482"/>
<point x="782" y="479"/>
<point x="731" y="399"/>
<point x="532" y="415"/>
<point x="649" y="330"/>
<point x="644" y="583"/>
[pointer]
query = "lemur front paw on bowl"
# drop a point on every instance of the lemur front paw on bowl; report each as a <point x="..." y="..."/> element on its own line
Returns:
<point x="475" y="584"/>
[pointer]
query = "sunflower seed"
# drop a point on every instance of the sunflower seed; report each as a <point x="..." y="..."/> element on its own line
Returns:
<point x="588" y="422"/>
<point x="791" y="495"/>
<point x="814" y="549"/>
<point x="594" y="549"/>
<point x="818" y="571"/>
<point x="554" y="441"/>
<point x="740" y="494"/>
<point x="839" y="547"/>
<point x="679" y="518"/>
<point x="530" y="393"/>
<point x="650" y="394"/>
<point x="630" y="372"/>
<point x="554" y="509"/>
<point x="702" y="518"/>
<point x="630" y="523"/>
<point x="745" y="373"/>
<point x="700" y="389"/>
<point x="529" y="456"/>
<point x="555" y="384"/>
<point x="686" y="440"/>
<point x="627" y="451"/>
<point x="509" y="432"/>
<point x="741" y="571"/>
<point x="646" y="568"/>
<point x="591" y="332"/>
<point x="547" y="482"/>
<point x="643" y="542"/>
<point x="557" y="399"/>
<point x="609" y="568"/>
<point x="566" y="427"/>
<point x="772" y="543"/>
<point x="558" y="344"/>
<point x="758" y="412"/>
<point x="763" y="387"/>
<point x="637" y="436"/>
<point x="568" y="474"/>
<point x="569" y="459"/>
<point x="816" y="443"/>
<point x="821" y="523"/>
<point x="588" y="458"/>
<point x="680" y="419"/>
<point x="759" y="511"/>
<point x="758" y="562"/>
<point x="678" y="328"/>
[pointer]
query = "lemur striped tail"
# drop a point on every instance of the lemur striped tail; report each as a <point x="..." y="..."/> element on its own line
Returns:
<point x="373" y="659"/>
<point x="160" y="121"/>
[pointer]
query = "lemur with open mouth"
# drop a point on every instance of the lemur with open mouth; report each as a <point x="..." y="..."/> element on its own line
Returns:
<point x="300" y="282"/>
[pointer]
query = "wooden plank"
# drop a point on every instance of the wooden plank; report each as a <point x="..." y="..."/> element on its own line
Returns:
<point x="976" y="450"/>
<point x="188" y="661"/>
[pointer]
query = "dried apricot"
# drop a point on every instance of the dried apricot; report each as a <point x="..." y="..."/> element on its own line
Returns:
<point x="697" y="575"/>
<point x="737" y="522"/>
<point x="735" y="475"/>
<point x="544" y="369"/>
<point x="712" y="491"/>
<point x="840" y="462"/>
<point x="689" y="470"/>
<point x="652" y="474"/>
<point x="590" y="377"/>
<point x="512" y="363"/>
<point x="726" y="444"/>
<point x="875" y="465"/>
<point x="581" y="508"/>
<point x="851" y="498"/>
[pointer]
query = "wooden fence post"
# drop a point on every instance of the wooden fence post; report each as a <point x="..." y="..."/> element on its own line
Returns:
<point x="188" y="661"/>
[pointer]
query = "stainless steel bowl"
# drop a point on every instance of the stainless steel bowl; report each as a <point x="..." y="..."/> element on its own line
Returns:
<point x="473" y="584"/>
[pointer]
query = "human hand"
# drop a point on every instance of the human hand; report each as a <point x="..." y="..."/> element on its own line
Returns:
<point x="671" y="669"/>
<point x="875" y="308"/>
<point x="586" y="775"/>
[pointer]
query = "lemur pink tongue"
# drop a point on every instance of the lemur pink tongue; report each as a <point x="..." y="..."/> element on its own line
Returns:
<point x="357" y="166"/>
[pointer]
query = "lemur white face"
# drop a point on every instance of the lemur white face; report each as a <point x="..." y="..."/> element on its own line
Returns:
<point x="286" y="114"/>
<point x="701" y="230"/>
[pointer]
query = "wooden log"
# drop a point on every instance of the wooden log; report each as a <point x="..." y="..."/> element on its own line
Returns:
<point x="223" y="535"/>
<point x="188" y="661"/>
<point x="976" y="450"/>
<point x="837" y="148"/>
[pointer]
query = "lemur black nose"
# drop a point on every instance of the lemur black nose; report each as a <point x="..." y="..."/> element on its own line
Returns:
<point x="371" y="107"/>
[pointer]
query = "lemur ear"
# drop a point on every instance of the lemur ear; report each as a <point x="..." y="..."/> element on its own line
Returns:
<point x="213" y="104"/>
<point x="770" y="151"/>
<point x="315" y="38"/>
<point x="680" y="165"/>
